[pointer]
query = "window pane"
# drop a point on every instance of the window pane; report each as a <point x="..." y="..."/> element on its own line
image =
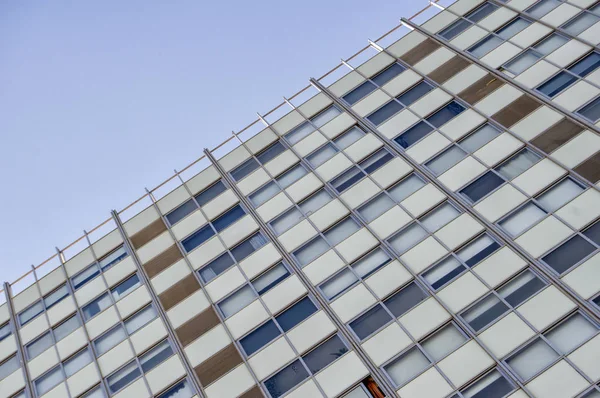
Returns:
<point x="123" y="377"/>
<point x="4" y="331"/>
<point x="237" y="301"/>
<point x="359" y="92"/>
<point x="405" y="299"/>
<point x="286" y="220"/>
<point x="385" y="112"/>
<point x="349" y="138"/>
<point x="439" y="217"/>
<point x="56" y="296"/>
<point x="522" y="62"/>
<point x="580" y="23"/>
<point x="414" y="93"/>
<point x="492" y="385"/>
<point x="405" y="188"/>
<point x="409" y="237"/>
<point x="375" y="161"/>
<point x="46" y="382"/>
<point x="31" y="312"/>
<point x="64" y="329"/>
<point x="156" y="356"/>
<point x="550" y="44"/>
<point x="445" y="114"/>
<point x="557" y="84"/>
<point x="571" y="333"/>
<point x="513" y="28"/>
<point x="296" y="314"/>
<point x="568" y="254"/>
<point x="542" y="8"/>
<point x="455" y="29"/>
<point x="210" y="193"/>
<point x="297" y="134"/>
<point x="484" y="312"/>
<point x="371" y="263"/>
<point x="259" y="338"/>
<point x="485" y="46"/>
<point x="322" y="155"/>
<point x="532" y="359"/>
<point x="446" y="160"/>
<point x="479" y="138"/>
<point x="388" y="74"/>
<point x="286" y="379"/>
<point x="324" y="354"/>
<point x="407" y="366"/>
<point x="518" y="164"/>
<point x="554" y="198"/>
<point x="270" y="278"/>
<point x="314" y="202"/>
<point x="338" y="284"/>
<point x="197" y="238"/>
<point x="96" y="306"/>
<point x="216" y="267"/>
<point x="126" y="287"/>
<point x="95" y="393"/>
<point x="413" y="134"/>
<point x="481" y="12"/>
<point x="180" y="212"/>
<point x="109" y="340"/>
<point x="341" y="231"/>
<point x="482" y="186"/>
<point x="376" y="207"/>
<point x="112" y="258"/>
<point x="443" y="342"/>
<point x="8" y="367"/>
<point x="591" y="111"/>
<point x="522" y="219"/>
<point x="477" y="250"/>
<point x="322" y="118"/>
<point x="248" y="247"/>
<point x="77" y="362"/>
<point x="370" y="321"/>
<point x="312" y="250"/>
<point x="593" y="233"/>
<point x="587" y="65"/>
<point x="270" y="153"/>
<point x="179" y="390"/>
<point x="140" y="319"/>
<point x="228" y="218"/>
<point x="38" y="346"/>
<point x="443" y="272"/>
<point x="347" y="179"/>
<point x="291" y="176"/>
<point x="244" y="169"/>
<point x="521" y="288"/>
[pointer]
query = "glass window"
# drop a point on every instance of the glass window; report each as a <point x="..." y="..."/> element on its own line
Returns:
<point x="77" y="362"/>
<point x="64" y="329"/>
<point x="405" y="299"/>
<point x="270" y="278"/>
<point x="56" y="296"/>
<point x="296" y="314"/>
<point x="413" y="94"/>
<point x="445" y="114"/>
<point x="492" y="385"/>
<point x="8" y="367"/>
<point x="84" y="276"/>
<point x="123" y="377"/>
<point x="197" y="238"/>
<point x="385" y="112"/>
<point x="110" y="339"/>
<point x="228" y="218"/>
<point x="31" y="312"/>
<point x="38" y="346"/>
<point x="439" y="217"/>
<point x="244" y="169"/>
<point x="405" y="188"/>
<point x="179" y="390"/>
<point x="591" y="111"/>
<point x="443" y="272"/>
<point x="407" y="238"/>
<point x="586" y="65"/>
<point x="477" y="250"/>
<point x="532" y="359"/>
<point x="542" y="8"/>
<point x="413" y="134"/>
<point x="485" y="46"/>
<point x="376" y="207"/>
<point x="4" y="331"/>
<point x="443" y="342"/>
<point x="156" y="356"/>
<point x="513" y="28"/>
<point x="96" y="306"/>
<point x="314" y="202"/>
<point x="484" y="312"/>
<point x="286" y="220"/>
<point x="286" y="379"/>
<point x="516" y="165"/>
<point x="550" y="43"/>
<point x="311" y="251"/>
<point x="112" y="258"/>
<point x="325" y="354"/>
<point x="557" y="84"/>
<point x="298" y="133"/>
<point x="291" y="176"/>
<point x="479" y="138"/>
<point x="580" y="23"/>
<point x="341" y="231"/>
<point x="237" y="301"/>
<point x="140" y="319"/>
<point x="216" y="267"/>
<point x="347" y="179"/>
<point x="407" y="366"/>
<point x="388" y="74"/>
<point x="46" y="382"/>
<point x="482" y="186"/>
<point x="522" y="62"/>
<point x="95" y="393"/>
<point x="571" y="333"/>
<point x="446" y="160"/>
<point x="210" y="193"/>
<point x="568" y="254"/>
<point x="259" y="338"/>
<point x="370" y="321"/>
<point x="248" y="246"/>
<point x="521" y="288"/>
<point x="179" y="213"/>
<point x="455" y="29"/>
<point x="270" y="153"/>
<point x="561" y="193"/>
<point x="325" y="116"/>
<point x="593" y="233"/>
<point x="322" y="155"/>
<point x="481" y="12"/>
<point x="359" y="93"/>
<point x="525" y="217"/>
<point x="375" y="161"/>
<point x="349" y="137"/>
<point x="125" y="287"/>
<point x="263" y="194"/>
<point x="371" y="263"/>
<point x="338" y="284"/>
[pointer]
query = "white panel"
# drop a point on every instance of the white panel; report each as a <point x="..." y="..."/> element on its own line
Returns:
<point x="561" y="380"/>
<point x="71" y="343"/>
<point x="90" y="290"/>
<point x="234" y="158"/>
<point x="422" y="200"/>
<point x="434" y="60"/>
<point x="388" y="279"/>
<point x="173" y="199"/>
<point x="233" y="384"/>
<point x="500" y="55"/>
<point x="465" y="363"/>
<point x="225" y="283"/>
<point x="137" y="389"/>
<point x="207" y="345"/>
<point x="323" y="267"/>
<point x="304" y="187"/>
<point x="346" y="83"/>
<point x="118" y="272"/>
<point x="310" y="143"/>
<point x="461" y="173"/>
<point x="581" y="210"/>
<point x="51" y="281"/>
<point x="498" y="149"/>
<point x="254" y="180"/>
<point x="308" y="389"/>
<point x="353" y="302"/>
<point x="391" y="172"/>
<point x="375" y="64"/>
<point x="297" y="235"/>
<point x="390" y="221"/>
<point x="469" y="37"/>
<point x="169" y="276"/>
<point x="386" y="343"/>
<point x="356" y="245"/>
<point x="60" y="391"/>
<point x="238" y="231"/>
<point x="271" y="358"/>
<point x="576" y="95"/>
<point x="328" y="214"/>
<point x="203" y="179"/>
<point x="406" y="43"/>
<point x="310" y="331"/>
<point x="591" y="34"/>
<point x="499" y="99"/>
<point x="286" y="292"/>
<point x="133" y="301"/>
<point x="430" y="384"/>
<point x="116" y="357"/>
<point x="398" y="123"/>
<point x="497" y="18"/>
<point x="281" y="163"/>
<point x="578" y="149"/>
<point x="546" y="307"/>
<point x="165" y="374"/>
<point x="586" y="358"/>
<point x="462" y="292"/>
<point x="546" y="234"/>
<point x="370" y="103"/>
<point x="568" y="53"/>
<point x="33" y="329"/>
<point x="340" y="375"/>
<point x="402" y="82"/>
<point x="8" y="346"/>
<point x="560" y="14"/>
<point x="464" y="78"/>
<point x="337" y="125"/>
<point x="12" y="383"/>
<point x="246" y="319"/>
<point x="274" y="206"/>
<point x="430" y="102"/>
<point x="530" y="34"/>
<point x="500" y="203"/>
<point x="459" y="230"/>
<point x="261" y="140"/>
<point x="536" y="74"/>
<point x="439" y="21"/>
<point x="423" y="255"/>
<point x="536" y="122"/>
<point x="148" y="335"/>
<point x="363" y="147"/>
<point x="84" y="379"/>
<point x="360" y="193"/>
<point x="155" y="247"/>
<point x="424" y="318"/>
<point x="206" y="252"/>
<point x="221" y="203"/>
<point x="188" y="308"/>
<point x="260" y="260"/>
<point x="139" y="222"/>
<point x="314" y="105"/>
<point x="584" y="278"/>
<point x="42" y="362"/>
<point x="462" y="124"/>
<point x="428" y="147"/>
<point x="506" y="335"/>
<point x="333" y="166"/>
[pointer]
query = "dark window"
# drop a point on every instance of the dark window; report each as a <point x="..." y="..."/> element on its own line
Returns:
<point x="492" y="385"/>
<point x="216" y="267"/>
<point x="568" y="254"/>
<point x="296" y="314"/>
<point x="414" y="93"/>
<point x="593" y="233"/>
<point x="244" y="169"/>
<point x="286" y="379"/>
<point x="388" y="74"/>
<point x="591" y="111"/>
<point x="445" y="114"/>
<point x="557" y="84"/>
<point x="482" y="186"/>
<point x="324" y="354"/>
<point x="481" y="12"/>
<point x="477" y="250"/>
<point x="385" y="112"/>
<point x="197" y="238"/>
<point x="370" y="321"/>
<point x="5" y="331"/>
<point x="248" y="247"/>
<point x="270" y="153"/>
<point x="156" y="356"/>
<point x="359" y="93"/>
<point x="474" y="16"/>
<point x="484" y="312"/>
<point x="587" y="65"/>
<point x="270" y="279"/>
<point x="259" y="338"/>
<point x="210" y="193"/>
<point x="347" y="179"/>
<point x="413" y="134"/>
<point x="405" y="299"/>
<point x="375" y="161"/>
<point x="455" y="29"/>
<point x="123" y="377"/>
<point x="521" y="288"/>
<point x="228" y="218"/>
<point x="180" y="212"/>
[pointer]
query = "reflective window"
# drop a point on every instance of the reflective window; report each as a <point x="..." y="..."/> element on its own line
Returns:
<point x="125" y="287"/>
<point x="359" y="92"/>
<point x="492" y="385"/>
<point x="179" y="390"/>
<point x="248" y="246"/>
<point x="140" y="319"/>
<point x="45" y="383"/>
<point x="270" y="279"/>
<point x="341" y="231"/>
<point x="244" y="169"/>
<point x="407" y="238"/>
<point x="264" y="193"/>
<point x="532" y="359"/>
<point x="286" y="221"/>
<point x="484" y="312"/>
<point x="286" y="379"/>
<point x="482" y="186"/>
<point x="64" y="329"/>
<point x="270" y="153"/>
<point x="156" y="356"/>
<point x="77" y="362"/>
<point x="542" y="8"/>
<point x="580" y="23"/>
<point x="216" y="267"/>
<point x="210" y="193"/>
<point x="237" y="301"/>
<point x="370" y="321"/>
<point x="259" y="338"/>
<point x="479" y="138"/>
<point x="8" y="367"/>
<point x="443" y="272"/>
<point x="521" y="288"/>
<point x="550" y="43"/>
<point x="568" y="254"/>
<point x="314" y="202"/>
<point x="123" y="377"/>
<point x="180" y="212"/>
<point x="338" y="284"/>
<point x="56" y="296"/>
<point x="311" y="251"/>
<point x="385" y="112"/>
<point x="405" y="188"/>
<point x="375" y="161"/>
<point x="513" y="28"/>
<point x="110" y="339"/>
<point x="322" y="155"/>
<point x="197" y="238"/>
<point x="477" y="250"/>
<point x="405" y="299"/>
<point x="5" y="331"/>
<point x="485" y="46"/>
<point x="228" y="218"/>
<point x="474" y="16"/>
<point x="407" y="366"/>
<point x="370" y="263"/>
<point x="112" y="258"/>
<point x="376" y="207"/>
<point x="324" y="354"/>
<point x="591" y="111"/>
<point x="296" y="314"/>
<point x="593" y="233"/>
<point x="561" y="193"/>
<point x="347" y="179"/>
<point x="518" y="164"/>
<point x="443" y="342"/>
<point x="522" y="219"/>
<point x="445" y="160"/>
<point x="39" y="345"/>
<point x="439" y="217"/>
<point x="522" y="62"/>
<point x="413" y="94"/>
<point x="348" y="138"/>
<point x="96" y="306"/>
<point x="31" y="312"/>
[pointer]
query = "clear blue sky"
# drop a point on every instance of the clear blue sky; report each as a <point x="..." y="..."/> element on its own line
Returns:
<point x="101" y="99"/>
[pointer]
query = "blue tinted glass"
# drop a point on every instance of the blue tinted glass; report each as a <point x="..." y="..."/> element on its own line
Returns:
<point x="455" y="29"/>
<point x="481" y="12"/>
<point x="375" y="161"/>
<point x="359" y="93"/>
<point x="4" y="331"/>
<point x="84" y="276"/>
<point x="123" y="377"/>
<point x="228" y="218"/>
<point x="587" y="65"/>
<point x="593" y="233"/>
<point x="347" y="179"/>
<point x="210" y="193"/>
<point x="591" y="110"/>
<point x="216" y="267"/>
<point x="445" y="114"/>
<point x="244" y="169"/>
<point x="296" y="314"/>
<point x="385" y="112"/>
<point x="197" y="238"/>
<point x="413" y="134"/>
<point x="557" y="84"/>
<point x="370" y="321"/>
<point x="248" y="247"/>
<point x="405" y="299"/>
<point x="271" y="152"/>
<point x="259" y="338"/>
<point x="181" y="212"/>
<point x="492" y="247"/>
<point x="324" y="354"/>
<point x="414" y="93"/>
<point x="286" y="379"/>
<point x="388" y="74"/>
<point x="493" y="386"/>
<point x="125" y="287"/>
<point x="568" y="254"/>
<point x="482" y="186"/>
<point x="179" y="390"/>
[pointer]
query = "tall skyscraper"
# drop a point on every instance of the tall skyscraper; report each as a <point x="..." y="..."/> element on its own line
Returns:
<point x="419" y="222"/>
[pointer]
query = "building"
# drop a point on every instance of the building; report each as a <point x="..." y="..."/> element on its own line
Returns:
<point x="423" y="225"/>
